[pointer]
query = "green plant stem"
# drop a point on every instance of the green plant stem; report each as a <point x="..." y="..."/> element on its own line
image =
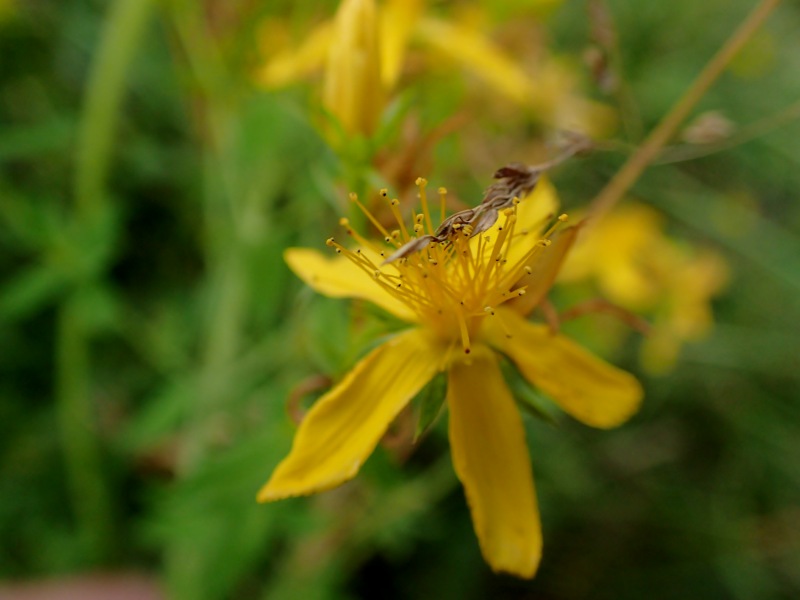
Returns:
<point x="90" y="495"/>
<point x="104" y="91"/>
<point x="77" y="423"/>
<point x="224" y="251"/>
<point x="647" y="152"/>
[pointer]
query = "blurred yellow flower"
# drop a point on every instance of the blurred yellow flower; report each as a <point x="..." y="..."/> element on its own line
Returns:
<point x="362" y="38"/>
<point x="7" y="10"/>
<point x="638" y="267"/>
<point x="352" y="88"/>
<point x="465" y="288"/>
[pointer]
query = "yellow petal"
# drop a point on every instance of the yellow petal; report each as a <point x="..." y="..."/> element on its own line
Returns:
<point x="352" y="89"/>
<point x="588" y="388"/>
<point x="544" y="269"/>
<point x="293" y="65"/>
<point x="537" y="208"/>
<point x="398" y="18"/>
<point x="534" y="213"/>
<point x="342" y="429"/>
<point x="491" y="459"/>
<point x="340" y="278"/>
<point x="478" y="54"/>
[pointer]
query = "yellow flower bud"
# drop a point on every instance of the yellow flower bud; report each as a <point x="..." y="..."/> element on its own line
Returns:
<point x="352" y="89"/>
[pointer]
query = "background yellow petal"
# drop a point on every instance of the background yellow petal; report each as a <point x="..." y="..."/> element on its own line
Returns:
<point x="352" y="90"/>
<point x="491" y="459"/>
<point x="398" y="18"/>
<point x="534" y="213"/>
<point x="544" y="269"/>
<point x="338" y="277"/>
<point x="480" y="55"/>
<point x="585" y="386"/>
<point x="342" y="429"/>
<point x="537" y="208"/>
<point x="292" y="65"/>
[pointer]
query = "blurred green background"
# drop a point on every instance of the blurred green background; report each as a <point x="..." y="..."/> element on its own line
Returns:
<point x="150" y="332"/>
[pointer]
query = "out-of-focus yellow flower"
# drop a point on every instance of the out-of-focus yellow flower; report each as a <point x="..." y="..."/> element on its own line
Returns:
<point x="352" y="89"/>
<point x="546" y="90"/>
<point x="638" y="267"/>
<point x="465" y="289"/>
<point x="7" y="9"/>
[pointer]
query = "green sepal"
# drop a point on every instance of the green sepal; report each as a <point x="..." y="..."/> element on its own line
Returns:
<point x="429" y="402"/>
<point x="528" y="398"/>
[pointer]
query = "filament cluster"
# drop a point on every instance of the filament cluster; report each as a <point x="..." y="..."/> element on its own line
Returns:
<point x="452" y="280"/>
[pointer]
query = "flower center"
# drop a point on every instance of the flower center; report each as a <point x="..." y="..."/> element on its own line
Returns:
<point x="454" y="276"/>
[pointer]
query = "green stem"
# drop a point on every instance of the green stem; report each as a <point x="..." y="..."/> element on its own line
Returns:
<point x="224" y="250"/>
<point x="89" y="489"/>
<point x="106" y="85"/>
<point x="78" y="425"/>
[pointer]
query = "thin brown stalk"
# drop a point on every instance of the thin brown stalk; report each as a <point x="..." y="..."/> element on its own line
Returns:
<point x="638" y="162"/>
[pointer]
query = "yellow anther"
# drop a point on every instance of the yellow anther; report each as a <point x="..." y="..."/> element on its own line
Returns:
<point x="442" y="190"/>
<point x="344" y="221"/>
<point x="395" y="202"/>
<point x="520" y="292"/>
<point x="528" y="270"/>
<point x="330" y="241"/>
<point x="418" y="227"/>
<point x="418" y="219"/>
<point x="376" y="274"/>
<point x="563" y="218"/>
<point x="508" y="212"/>
<point x="395" y="234"/>
<point x="489" y="309"/>
<point x="516" y="201"/>
<point x="420" y="181"/>
<point x="384" y="192"/>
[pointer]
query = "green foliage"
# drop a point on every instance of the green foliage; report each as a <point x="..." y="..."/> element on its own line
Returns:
<point x="152" y="333"/>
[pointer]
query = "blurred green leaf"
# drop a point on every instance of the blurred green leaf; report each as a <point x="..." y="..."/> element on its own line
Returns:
<point x="29" y="141"/>
<point x="30" y="291"/>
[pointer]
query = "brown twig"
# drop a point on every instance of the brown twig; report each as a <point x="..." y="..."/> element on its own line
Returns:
<point x="600" y="305"/>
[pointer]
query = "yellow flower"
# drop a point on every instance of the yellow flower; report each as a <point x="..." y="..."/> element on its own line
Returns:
<point x="354" y="41"/>
<point x="464" y="288"/>
<point x="637" y="266"/>
<point x="352" y="89"/>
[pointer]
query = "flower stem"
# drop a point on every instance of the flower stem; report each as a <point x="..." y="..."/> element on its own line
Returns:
<point x="77" y="418"/>
<point x="78" y="427"/>
<point x="647" y="152"/>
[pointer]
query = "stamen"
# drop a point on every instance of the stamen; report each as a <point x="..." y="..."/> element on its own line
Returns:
<point x="450" y="281"/>
<point x="462" y="325"/>
<point x="399" y="218"/>
<point x="344" y="222"/>
<point x="368" y="214"/>
<point x="423" y="200"/>
<point x="443" y="202"/>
